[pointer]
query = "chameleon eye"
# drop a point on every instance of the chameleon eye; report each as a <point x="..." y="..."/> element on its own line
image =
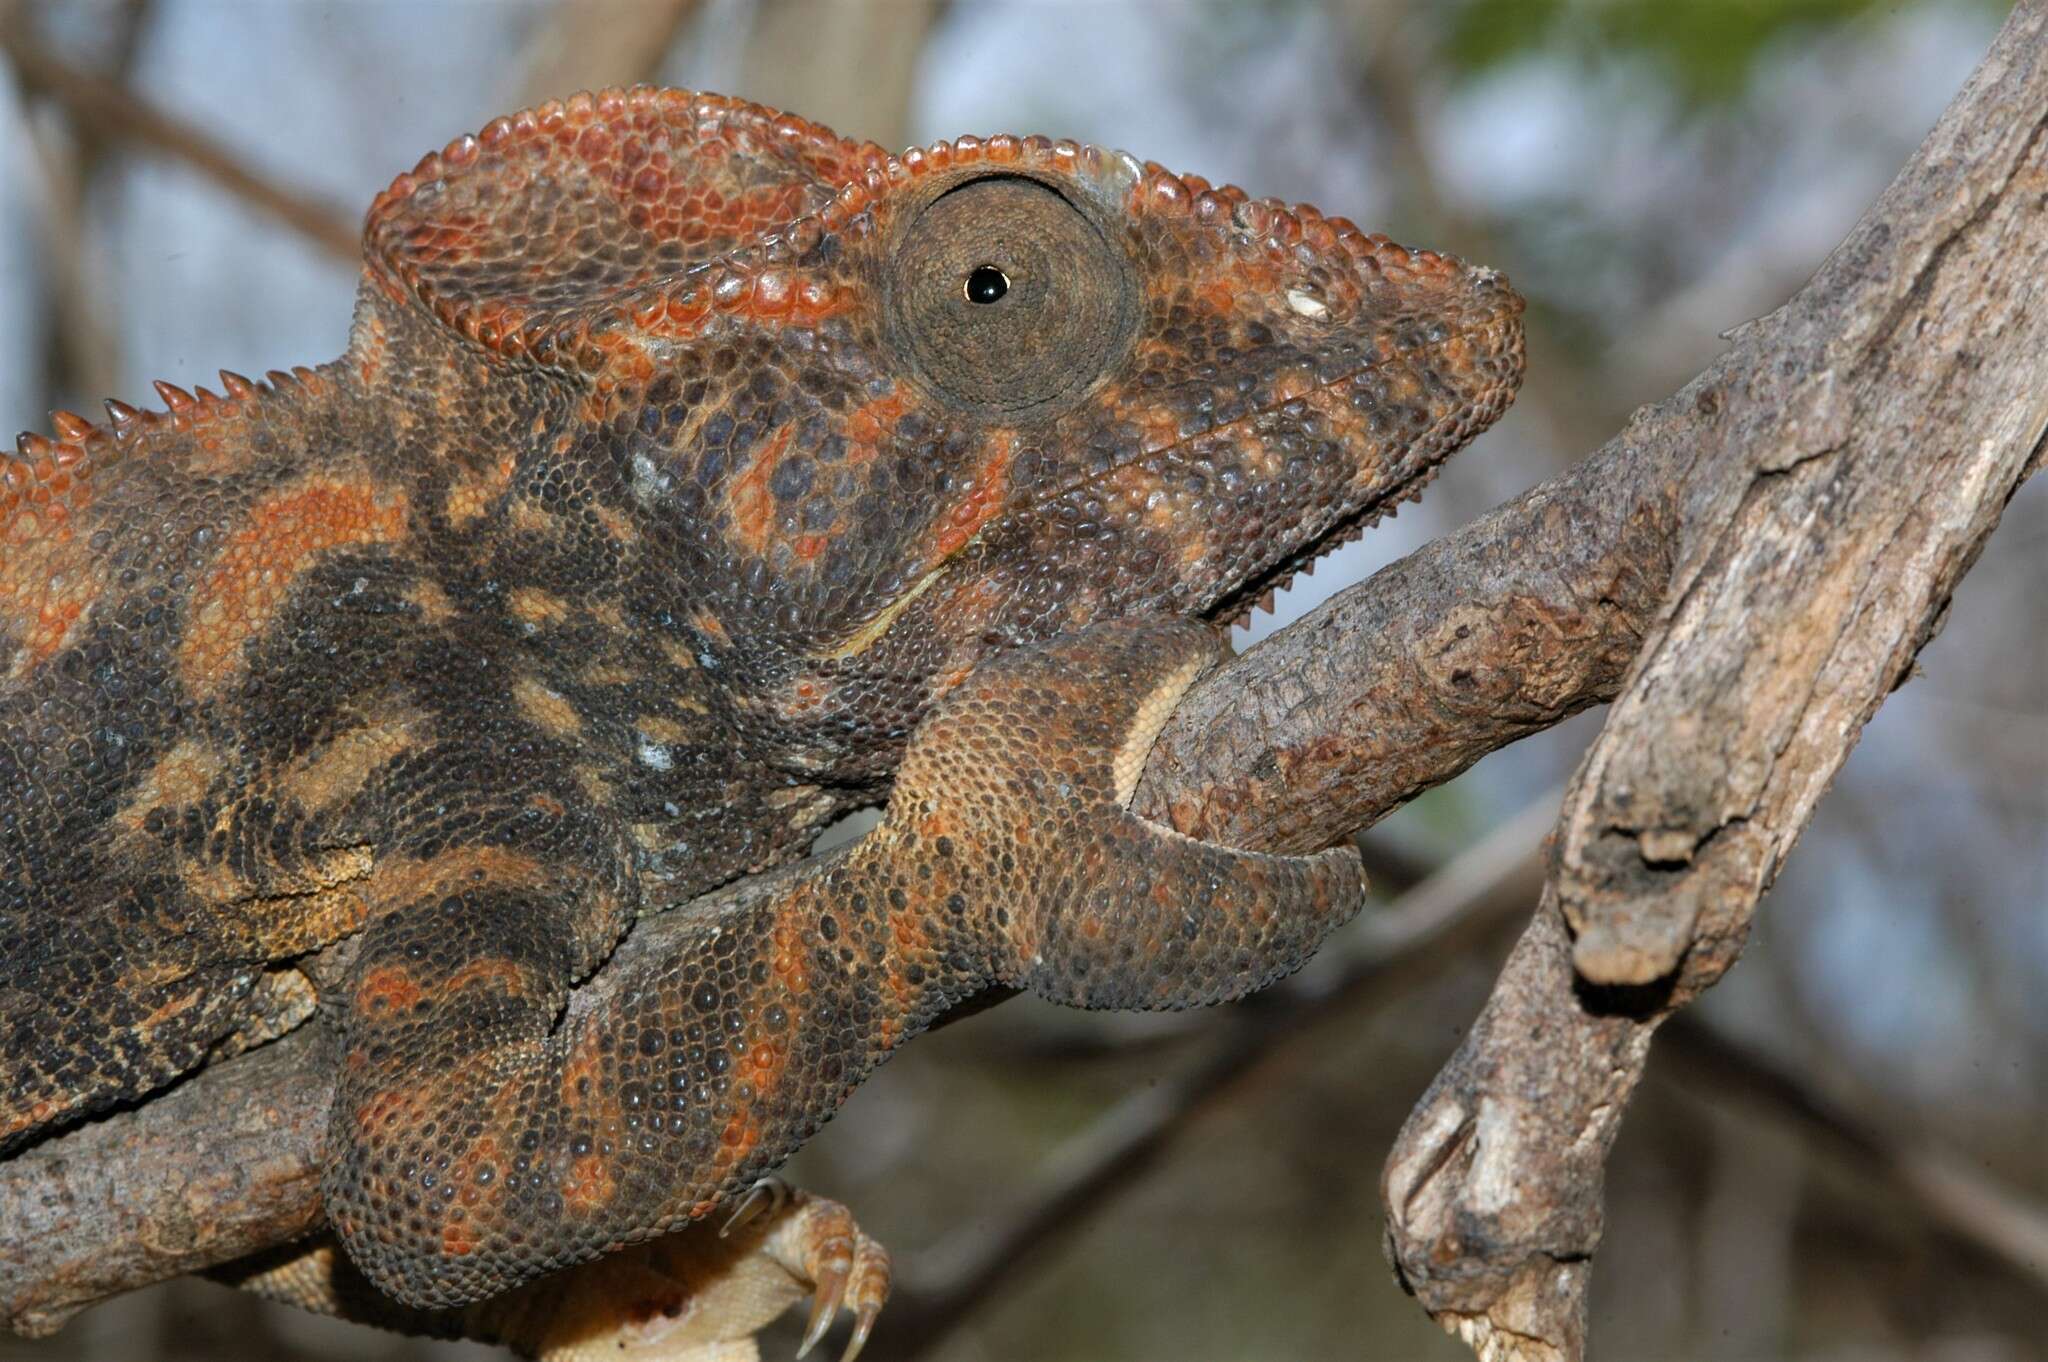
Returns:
<point x="1069" y="302"/>
<point x="987" y="284"/>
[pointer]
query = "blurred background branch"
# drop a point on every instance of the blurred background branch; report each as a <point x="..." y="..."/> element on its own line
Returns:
<point x="106" y="108"/>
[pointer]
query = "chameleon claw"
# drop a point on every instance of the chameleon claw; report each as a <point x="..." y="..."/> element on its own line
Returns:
<point x="831" y="1290"/>
<point x="818" y="1242"/>
<point x="767" y="1194"/>
<point x="829" y="1255"/>
<point x="863" y="1325"/>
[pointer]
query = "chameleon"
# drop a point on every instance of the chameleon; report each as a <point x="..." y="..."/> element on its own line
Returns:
<point x="692" y="476"/>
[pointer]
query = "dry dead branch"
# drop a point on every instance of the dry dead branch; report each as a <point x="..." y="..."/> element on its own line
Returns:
<point x="1831" y="479"/>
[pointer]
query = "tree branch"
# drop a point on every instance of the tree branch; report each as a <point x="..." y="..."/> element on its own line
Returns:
<point x="1845" y="462"/>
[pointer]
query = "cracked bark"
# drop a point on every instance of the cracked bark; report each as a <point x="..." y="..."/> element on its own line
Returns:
<point x="1843" y="465"/>
<point x="1750" y="567"/>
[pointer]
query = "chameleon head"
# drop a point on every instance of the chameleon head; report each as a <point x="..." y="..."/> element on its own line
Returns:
<point x="1183" y="392"/>
<point x="883" y="413"/>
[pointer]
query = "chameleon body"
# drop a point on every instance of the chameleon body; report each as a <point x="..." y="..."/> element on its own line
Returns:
<point x="692" y="476"/>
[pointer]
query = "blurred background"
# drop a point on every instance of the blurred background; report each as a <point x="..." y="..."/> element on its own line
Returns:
<point x="1843" y="1154"/>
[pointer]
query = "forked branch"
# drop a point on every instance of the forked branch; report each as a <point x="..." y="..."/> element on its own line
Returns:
<point x="1840" y="469"/>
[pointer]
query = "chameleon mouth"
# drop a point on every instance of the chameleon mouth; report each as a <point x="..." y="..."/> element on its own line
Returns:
<point x="1261" y="588"/>
<point x="1491" y="340"/>
<point x="1234" y="608"/>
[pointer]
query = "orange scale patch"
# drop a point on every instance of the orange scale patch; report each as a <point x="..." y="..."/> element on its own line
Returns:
<point x="1293" y="384"/>
<point x="389" y="990"/>
<point x="739" y="1138"/>
<point x="788" y="952"/>
<point x="873" y="421"/>
<point x="169" y="1011"/>
<point x="486" y="973"/>
<point x="1220" y="293"/>
<point x="769" y="206"/>
<point x="283" y="536"/>
<point x="616" y="526"/>
<point x="45" y="634"/>
<point x="751" y="501"/>
<point x="49" y="577"/>
<point x="909" y="941"/>
<point x="1237" y="277"/>
<point x="388" y="1108"/>
<point x="36" y="1114"/>
<point x="984" y="498"/>
<point x="397" y="883"/>
<point x="945" y="682"/>
<point x="325" y="778"/>
<point x="179" y="777"/>
<point x="711" y="626"/>
<point x="590" y="1185"/>
<point x="583" y="1076"/>
<point x="767" y="1061"/>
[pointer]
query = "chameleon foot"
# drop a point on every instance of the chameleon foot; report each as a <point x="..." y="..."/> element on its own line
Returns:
<point x="698" y="1295"/>
<point x="819" y="1242"/>
<point x="701" y="1295"/>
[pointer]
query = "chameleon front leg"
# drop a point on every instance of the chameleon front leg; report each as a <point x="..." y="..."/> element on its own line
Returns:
<point x="475" y="1146"/>
<point x="1033" y="761"/>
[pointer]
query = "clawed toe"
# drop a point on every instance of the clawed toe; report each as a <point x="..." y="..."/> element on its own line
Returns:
<point x="820" y="1242"/>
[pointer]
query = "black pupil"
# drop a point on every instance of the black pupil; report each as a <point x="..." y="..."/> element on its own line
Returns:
<point x="986" y="284"/>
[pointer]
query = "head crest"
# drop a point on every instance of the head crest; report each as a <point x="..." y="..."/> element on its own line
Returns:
<point x="518" y="235"/>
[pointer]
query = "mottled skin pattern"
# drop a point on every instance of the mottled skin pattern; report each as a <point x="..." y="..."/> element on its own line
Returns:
<point x="679" y="464"/>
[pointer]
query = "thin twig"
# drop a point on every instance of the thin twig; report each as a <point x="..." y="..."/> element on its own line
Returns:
<point x="1924" y="1175"/>
<point x="84" y="349"/>
<point x="112" y="111"/>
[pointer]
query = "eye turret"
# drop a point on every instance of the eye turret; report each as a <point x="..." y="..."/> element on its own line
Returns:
<point x="1007" y="299"/>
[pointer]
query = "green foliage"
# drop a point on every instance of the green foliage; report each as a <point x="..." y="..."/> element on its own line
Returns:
<point x="1707" y="46"/>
